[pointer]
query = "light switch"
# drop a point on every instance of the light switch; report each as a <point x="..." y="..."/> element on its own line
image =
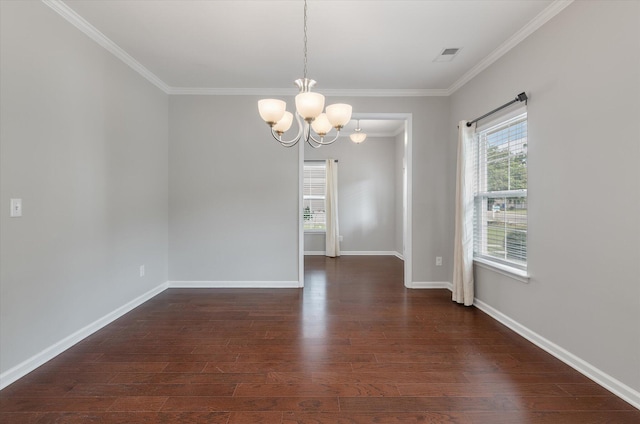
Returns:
<point x="16" y="208"/>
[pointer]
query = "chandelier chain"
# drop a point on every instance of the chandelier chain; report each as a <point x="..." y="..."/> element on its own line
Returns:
<point x="305" y="40"/>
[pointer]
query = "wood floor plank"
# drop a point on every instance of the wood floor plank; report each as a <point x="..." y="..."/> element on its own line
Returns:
<point x="151" y="389"/>
<point x="252" y="417"/>
<point x="554" y="417"/>
<point x="354" y="346"/>
<point x="266" y="403"/>
<point x="378" y="418"/>
<point x="188" y="378"/>
<point x="20" y="417"/>
<point x="34" y="404"/>
<point x="387" y="377"/>
<point x="482" y="390"/>
<point x="317" y="390"/>
<point x="433" y="403"/>
<point x="138" y="403"/>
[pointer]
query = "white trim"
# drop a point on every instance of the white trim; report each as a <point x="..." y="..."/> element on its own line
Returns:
<point x="515" y="273"/>
<point x="335" y="92"/>
<point x="605" y="380"/>
<point x="542" y="18"/>
<point x="234" y="284"/>
<point x="301" y="231"/>
<point x="398" y="255"/>
<point x="408" y="202"/>
<point x="357" y="253"/>
<point x="92" y="32"/>
<point x="431" y="285"/>
<point x="57" y="348"/>
<point x="369" y="253"/>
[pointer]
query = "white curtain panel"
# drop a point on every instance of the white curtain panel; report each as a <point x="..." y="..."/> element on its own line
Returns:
<point x="332" y="238"/>
<point x="463" y="237"/>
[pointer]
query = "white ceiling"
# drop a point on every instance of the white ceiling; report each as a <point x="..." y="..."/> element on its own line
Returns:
<point x="354" y="45"/>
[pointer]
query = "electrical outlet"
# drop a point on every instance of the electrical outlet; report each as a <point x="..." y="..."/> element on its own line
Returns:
<point x="438" y="260"/>
<point x="142" y="270"/>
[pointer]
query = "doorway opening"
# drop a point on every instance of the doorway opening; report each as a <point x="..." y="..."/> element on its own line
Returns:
<point x="393" y="128"/>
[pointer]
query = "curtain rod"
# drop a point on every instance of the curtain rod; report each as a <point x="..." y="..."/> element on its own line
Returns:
<point x="318" y="160"/>
<point x="522" y="97"/>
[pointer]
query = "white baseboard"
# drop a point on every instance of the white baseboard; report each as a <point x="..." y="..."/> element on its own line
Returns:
<point x="54" y="350"/>
<point x="605" y="380"/>
<point x="235" y="284"/>
<point x="356" y="253"/>
<point x="431" y="285"/>
<point x="369" y="253"/>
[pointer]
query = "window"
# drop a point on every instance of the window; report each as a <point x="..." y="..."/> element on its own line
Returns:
<point x="500" y="193"/>
<point x="313" y="196"/>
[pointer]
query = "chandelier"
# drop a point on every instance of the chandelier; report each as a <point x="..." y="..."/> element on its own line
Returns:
<point x="309" y="106"/>
<point x="358" y="137"/>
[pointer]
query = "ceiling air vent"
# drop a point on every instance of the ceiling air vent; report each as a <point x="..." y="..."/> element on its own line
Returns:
<point x="447" y="55"/>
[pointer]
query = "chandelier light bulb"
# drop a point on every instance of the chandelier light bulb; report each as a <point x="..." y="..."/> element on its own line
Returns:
<point x="339" y="114"/>
<point x="309" y="105"/>
<point x="358" y="137"/>
<point x="284" y="124"/>
<point x="271" y="110"/>
<point x="321" y="125"/>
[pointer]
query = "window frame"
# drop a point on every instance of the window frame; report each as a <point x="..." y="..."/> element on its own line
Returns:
<point x="509" y="268"/>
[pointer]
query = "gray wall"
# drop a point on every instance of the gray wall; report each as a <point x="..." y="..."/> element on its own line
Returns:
<point x="228" y="225"/>
<point x="84" y="144"/>
<point x="233" y="194"/>
<point x="366" y="194"/>
<point x="584" y="182"/>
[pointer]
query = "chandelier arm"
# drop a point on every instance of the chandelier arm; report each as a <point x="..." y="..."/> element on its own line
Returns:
<point x="314" y="143"/>
<point x="293" y="141"/>
<point x="285" y="143"/>
<point x="326" y="143"/>
<point x="315" y="146"/>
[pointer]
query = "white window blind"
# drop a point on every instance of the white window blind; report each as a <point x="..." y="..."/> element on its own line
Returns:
<point x="500" y="201"/>
<point x="313" y="199"/>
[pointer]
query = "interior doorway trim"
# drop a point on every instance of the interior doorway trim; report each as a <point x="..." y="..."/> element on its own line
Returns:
<point x="406" y="194"/>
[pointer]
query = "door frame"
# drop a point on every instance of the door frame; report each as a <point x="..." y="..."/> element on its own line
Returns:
<point x="407" y="190"/>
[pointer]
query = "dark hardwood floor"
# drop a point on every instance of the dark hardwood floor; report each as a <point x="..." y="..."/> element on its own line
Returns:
<point x="354" y="346"/>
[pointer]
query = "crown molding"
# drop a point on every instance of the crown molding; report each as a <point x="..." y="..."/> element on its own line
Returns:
<point x="543" y="17"/>
<point x="335" y="92"/>
<point x="93" y="33"/>
<point x="204" y="91"/>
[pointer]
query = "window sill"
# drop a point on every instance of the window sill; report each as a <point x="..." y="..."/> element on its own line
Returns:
<point x="315" y="231"/>
<point x="515" y="273"/>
